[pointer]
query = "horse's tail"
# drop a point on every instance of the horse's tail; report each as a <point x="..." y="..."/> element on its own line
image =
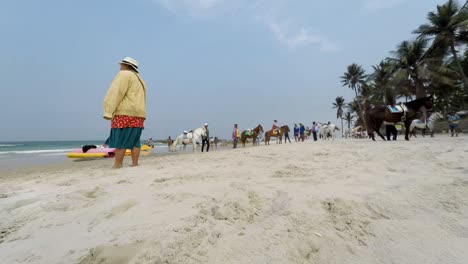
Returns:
<point x="175" y="143"/>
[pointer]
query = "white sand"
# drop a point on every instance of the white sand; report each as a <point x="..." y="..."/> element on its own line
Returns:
<point x="343" y="202"/>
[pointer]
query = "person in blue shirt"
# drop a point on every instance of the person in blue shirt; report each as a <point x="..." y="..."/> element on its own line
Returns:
<point x="453" y="119"/>
<point x="296" y="132"/>
<point x="302" y="131"/>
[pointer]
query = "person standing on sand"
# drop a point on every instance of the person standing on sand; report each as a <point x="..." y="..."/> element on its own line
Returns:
<point x="296" y="133"/>
<point x="314" y="130"/>
<point x="286" y="136"/>
<point x="453" y="119"/>
<point x="125" y="106"/>
<point x="169" y="143"/>
<point x="301" y="132"/>
<point x="205" y="138"/>
<point x="215" y="141"/>
<point x="235" y="136"/>
<point x="391" y="131"/>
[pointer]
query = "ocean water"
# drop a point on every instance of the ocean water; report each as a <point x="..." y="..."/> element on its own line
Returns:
<point x="16" y="154"/>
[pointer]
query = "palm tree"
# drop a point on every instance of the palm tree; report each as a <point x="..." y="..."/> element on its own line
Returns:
<point x="339" y="104"/>
<point x="382" y="85"/>
<point x="354" y="78"/>
<point x="410" y="60"/>
<point x="348" y="117"/>
<point x="447" y="26"/>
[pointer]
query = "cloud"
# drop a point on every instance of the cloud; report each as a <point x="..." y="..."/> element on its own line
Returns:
<point x="192" y="7"/>
<point x="300" y="38"/>
<point x="259" y="10"/>
<point x="381" y="4"/>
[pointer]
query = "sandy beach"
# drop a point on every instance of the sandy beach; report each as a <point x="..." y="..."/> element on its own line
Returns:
<point x="348" y="201"/>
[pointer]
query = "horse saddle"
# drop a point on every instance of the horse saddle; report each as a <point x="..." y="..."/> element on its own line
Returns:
<point x="397" y="109"/>
<point x="248" y="132"/>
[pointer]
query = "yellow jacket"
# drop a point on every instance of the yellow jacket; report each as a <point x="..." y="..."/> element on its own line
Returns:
<point x="126" y="96"/>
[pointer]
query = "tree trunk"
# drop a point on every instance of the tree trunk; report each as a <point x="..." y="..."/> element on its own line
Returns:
<point x="360" y="109"/>
<point x="457" y="62"/>
<point x="420" y="89"/>
<point x="342" y="132"/>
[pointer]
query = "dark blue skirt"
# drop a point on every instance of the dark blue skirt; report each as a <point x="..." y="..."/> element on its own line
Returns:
<point x="125" y="138"/>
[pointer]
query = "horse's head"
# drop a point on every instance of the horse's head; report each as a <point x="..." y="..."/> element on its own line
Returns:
<point x="285" y="128"/>
<point x="438" y="115"/>
<point x="260" y="128"/>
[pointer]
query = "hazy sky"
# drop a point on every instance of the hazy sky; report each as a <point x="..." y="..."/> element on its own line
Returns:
<point x="215" y="61"/>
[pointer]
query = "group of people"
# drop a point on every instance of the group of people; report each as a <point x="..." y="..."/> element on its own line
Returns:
<point x="125" y="107"/>
<point x="302" y="133"/>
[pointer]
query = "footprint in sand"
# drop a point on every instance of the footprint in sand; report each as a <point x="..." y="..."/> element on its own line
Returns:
<point x="95" y="193"/>
<point x="22" y="203"/>
<point x="6" y="232"/>
<point x="120" y="209"/>
<point x="111" y="254"/>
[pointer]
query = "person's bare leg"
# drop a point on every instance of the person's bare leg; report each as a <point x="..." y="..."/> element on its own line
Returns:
<point x="135" y="156"/>
<point x="119" y="156"/>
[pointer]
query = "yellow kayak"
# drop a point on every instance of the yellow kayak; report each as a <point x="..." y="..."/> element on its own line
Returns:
<point x="86" y="155"/>
<point x="143" y="148"/>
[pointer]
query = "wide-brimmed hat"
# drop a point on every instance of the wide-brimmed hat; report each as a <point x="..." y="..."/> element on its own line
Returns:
<point x="130" y="62"/>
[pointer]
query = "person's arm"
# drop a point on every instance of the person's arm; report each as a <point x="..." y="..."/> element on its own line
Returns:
<point x="115" y="94"/>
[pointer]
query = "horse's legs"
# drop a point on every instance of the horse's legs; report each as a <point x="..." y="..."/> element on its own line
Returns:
<point x="378" y="133"/>
<point x="424" y="132"/>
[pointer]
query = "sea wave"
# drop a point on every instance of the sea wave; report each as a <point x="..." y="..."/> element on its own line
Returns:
<point x="35" y="151"/>
<point x="10" y="145"/>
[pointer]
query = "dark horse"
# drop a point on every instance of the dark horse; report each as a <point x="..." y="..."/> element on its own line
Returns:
<point x="251" y="134"/>
<point x="376" y="115"/>
<point x="279" y="135"/>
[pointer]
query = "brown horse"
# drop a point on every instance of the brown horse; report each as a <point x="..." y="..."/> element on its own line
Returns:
<point x="376" y="115"/>
<point x="275" y="134"/>
<point x="251" y="134"/>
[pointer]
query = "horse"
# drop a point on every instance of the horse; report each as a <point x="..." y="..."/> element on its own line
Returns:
<point x="278" y="136"/>
<point x="191" y="138"/>
<point x="418" y="124"/>
<point x="253" y="133"/>
<point x="375" y="115"/>
<point x="328" y="131"/>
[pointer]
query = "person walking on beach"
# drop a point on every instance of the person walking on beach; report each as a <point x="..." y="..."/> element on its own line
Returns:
<point x="125" y="106"/>
<point x="453" y="119"/>
<point x="169" y="143"/>
<point x="301" y="132"/>
<point x="314" y="130"/>
<point x="235" y="136"/>
<point x="286" y="136"/>
<point x="205" y="138"/>
<point x="215" y="141"/>
<point x="296" y="133"/>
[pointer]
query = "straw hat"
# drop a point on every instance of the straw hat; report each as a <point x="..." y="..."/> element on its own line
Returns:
<point x="130" y="62"/>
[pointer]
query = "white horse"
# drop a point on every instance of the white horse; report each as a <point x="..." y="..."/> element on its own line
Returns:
<point x="429" y="124"/>
<point x="328" y="131"/>
<point x="190" y="138"/>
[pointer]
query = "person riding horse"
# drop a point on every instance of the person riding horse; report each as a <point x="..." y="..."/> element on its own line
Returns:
<point x="275" y="127"/>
